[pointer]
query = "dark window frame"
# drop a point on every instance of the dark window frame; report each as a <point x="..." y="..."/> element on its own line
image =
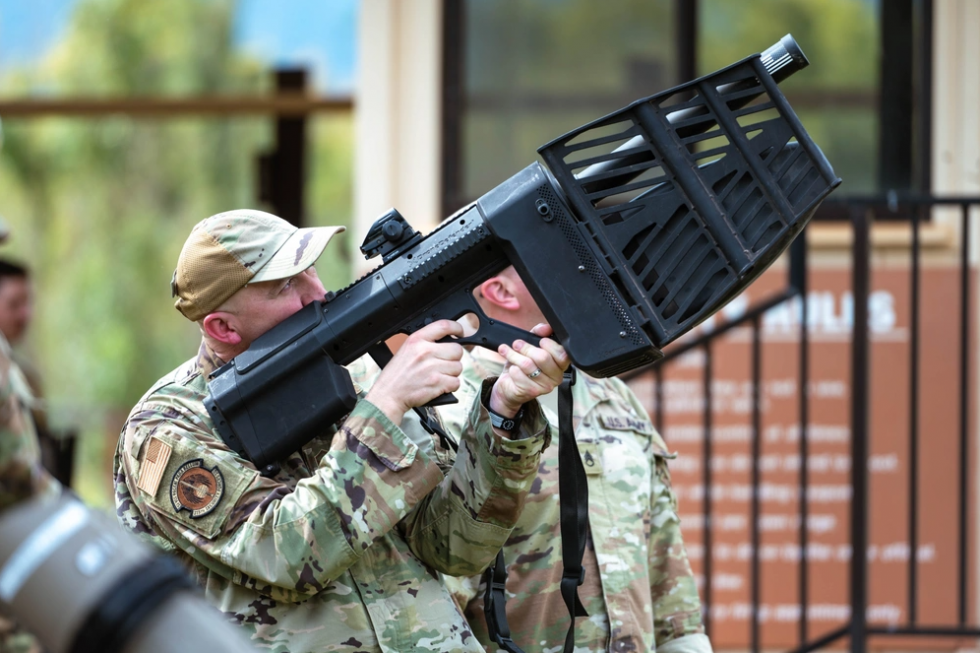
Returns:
<point x="904" y="100"/>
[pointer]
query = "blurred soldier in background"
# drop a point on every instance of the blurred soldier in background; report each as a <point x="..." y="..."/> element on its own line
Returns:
<point x="639" y="590"/>
<point x="16" y="313"/>
<point x="339" y="548"/>
<point x="52" y="576"/>
<point x="21" y="473"/>
<point x="16" y="301"/>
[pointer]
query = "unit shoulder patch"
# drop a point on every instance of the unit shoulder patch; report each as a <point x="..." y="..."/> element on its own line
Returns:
<point x="196" y="489"/>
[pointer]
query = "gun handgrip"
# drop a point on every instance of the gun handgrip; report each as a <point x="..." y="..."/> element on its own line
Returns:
<point x="492" y="333"/>
<point x="443" y="400"/>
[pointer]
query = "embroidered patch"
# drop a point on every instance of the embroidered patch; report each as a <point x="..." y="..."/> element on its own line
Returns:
<point x="590" y="458"/>
<point x="617" y="423"/>
<point x="153" y="465"/>
<point x="195" y="489"/>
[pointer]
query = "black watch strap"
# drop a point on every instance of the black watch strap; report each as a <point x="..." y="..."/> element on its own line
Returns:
<point x="509" y="424"/>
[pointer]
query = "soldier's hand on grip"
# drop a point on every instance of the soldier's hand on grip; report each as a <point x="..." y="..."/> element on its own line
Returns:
<point x="420" y="371"/>
<point x="530" y="372"/>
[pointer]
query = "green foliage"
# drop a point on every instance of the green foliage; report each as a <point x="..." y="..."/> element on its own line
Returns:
<point x="99" y="208"/>
<point x="840" y="39"/>
<point x="838" y="36"/>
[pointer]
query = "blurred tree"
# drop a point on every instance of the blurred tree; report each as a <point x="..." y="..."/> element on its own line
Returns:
<point x="840" y="38"/>
<point x="100" y="207"/>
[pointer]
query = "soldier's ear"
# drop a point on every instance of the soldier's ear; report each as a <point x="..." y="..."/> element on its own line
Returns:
<point x="222" y="327"/>
<point x="498" y="292"/>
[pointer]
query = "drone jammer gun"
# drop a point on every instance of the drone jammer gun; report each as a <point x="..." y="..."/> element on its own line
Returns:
<point x="644" y="223"/>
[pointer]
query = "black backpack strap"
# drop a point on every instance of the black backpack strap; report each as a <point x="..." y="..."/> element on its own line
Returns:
<point x="495" y="605"/>
<point x="573" y="491"/>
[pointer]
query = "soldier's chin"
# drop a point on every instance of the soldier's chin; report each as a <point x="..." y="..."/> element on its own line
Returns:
<point x="70" y="576"/>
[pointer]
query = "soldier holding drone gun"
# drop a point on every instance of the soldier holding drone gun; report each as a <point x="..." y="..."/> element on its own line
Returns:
<point x="643" y="271"/>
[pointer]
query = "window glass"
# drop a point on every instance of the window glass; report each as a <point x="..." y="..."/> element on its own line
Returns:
<point x="836" y="97"/>
<point x="535" y="69"/>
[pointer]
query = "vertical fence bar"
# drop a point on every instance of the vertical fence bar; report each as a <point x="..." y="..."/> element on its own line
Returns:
<point x="859" y="433"/>
<point x="756" y="451"/>
<point x="804" y="399"/>
<point x="964" y="403"/>
<point x="913" y="525"/>
<point x="707" y="539"/>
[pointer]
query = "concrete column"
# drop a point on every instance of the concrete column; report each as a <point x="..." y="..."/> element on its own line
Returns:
<point x="956" y="139"/>
<point x="398" y="113"/>
<point x="956" y="98"/>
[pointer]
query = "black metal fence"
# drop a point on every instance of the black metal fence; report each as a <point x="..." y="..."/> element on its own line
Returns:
<point x="857" y="628"/>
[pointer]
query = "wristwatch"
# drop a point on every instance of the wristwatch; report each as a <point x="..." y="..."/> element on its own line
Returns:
<point x="509" y="424"/>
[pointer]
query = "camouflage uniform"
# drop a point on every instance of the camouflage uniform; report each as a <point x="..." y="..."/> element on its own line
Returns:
<point x="21" y="474"/>
<point x="639" y="589"/>
<point x="339" y="551"/>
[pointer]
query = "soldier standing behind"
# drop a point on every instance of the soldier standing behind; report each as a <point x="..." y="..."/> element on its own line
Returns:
<point x="21" y="473"/>
<point x="639" y="590"/>
<point x="338" y="551"/>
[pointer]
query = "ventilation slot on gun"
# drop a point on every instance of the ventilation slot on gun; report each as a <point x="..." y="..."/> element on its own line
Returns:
<point x="690" y="193"/>
<point x="596" y="275"/>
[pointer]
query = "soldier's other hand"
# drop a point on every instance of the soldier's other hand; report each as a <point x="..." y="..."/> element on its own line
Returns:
<point x="530" y="372"/>
<point x="420" y="371"/>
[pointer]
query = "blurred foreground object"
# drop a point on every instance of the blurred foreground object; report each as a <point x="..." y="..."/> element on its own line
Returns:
<point x="69" y="575"/>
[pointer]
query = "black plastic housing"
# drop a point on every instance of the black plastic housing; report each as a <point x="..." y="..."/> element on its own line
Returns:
<point x="281" y="393"/>
<point x="687" y="196"/>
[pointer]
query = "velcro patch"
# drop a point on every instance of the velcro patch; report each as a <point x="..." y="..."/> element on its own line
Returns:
<point x="153" y="465"/>
<point x="621" y="423"/>
<point x="196" y="489"/>
<point x="590" y="458"/>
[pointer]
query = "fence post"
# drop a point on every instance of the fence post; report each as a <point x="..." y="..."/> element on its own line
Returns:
<point x="859" y="432"/>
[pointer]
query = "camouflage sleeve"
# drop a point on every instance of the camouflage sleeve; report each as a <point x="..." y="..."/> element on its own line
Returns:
<point x="21" y="473"/>
<point x="257" y="531"/>
<point x="676" y="604"/>
<point x="674" y="592"/>
<point x="459" y="528"/>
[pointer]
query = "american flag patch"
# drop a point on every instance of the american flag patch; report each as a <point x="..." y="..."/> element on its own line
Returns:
<point x="154" y="463"/>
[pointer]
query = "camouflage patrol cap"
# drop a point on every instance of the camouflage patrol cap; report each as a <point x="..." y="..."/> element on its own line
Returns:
<point x="229" y="250"/>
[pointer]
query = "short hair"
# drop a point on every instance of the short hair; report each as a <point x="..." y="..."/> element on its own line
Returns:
<point x="10" y="269"/>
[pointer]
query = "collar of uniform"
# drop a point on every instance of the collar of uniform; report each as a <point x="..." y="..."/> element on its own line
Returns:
<point x="591" y="393"/>
<point x="207" y="360"/>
